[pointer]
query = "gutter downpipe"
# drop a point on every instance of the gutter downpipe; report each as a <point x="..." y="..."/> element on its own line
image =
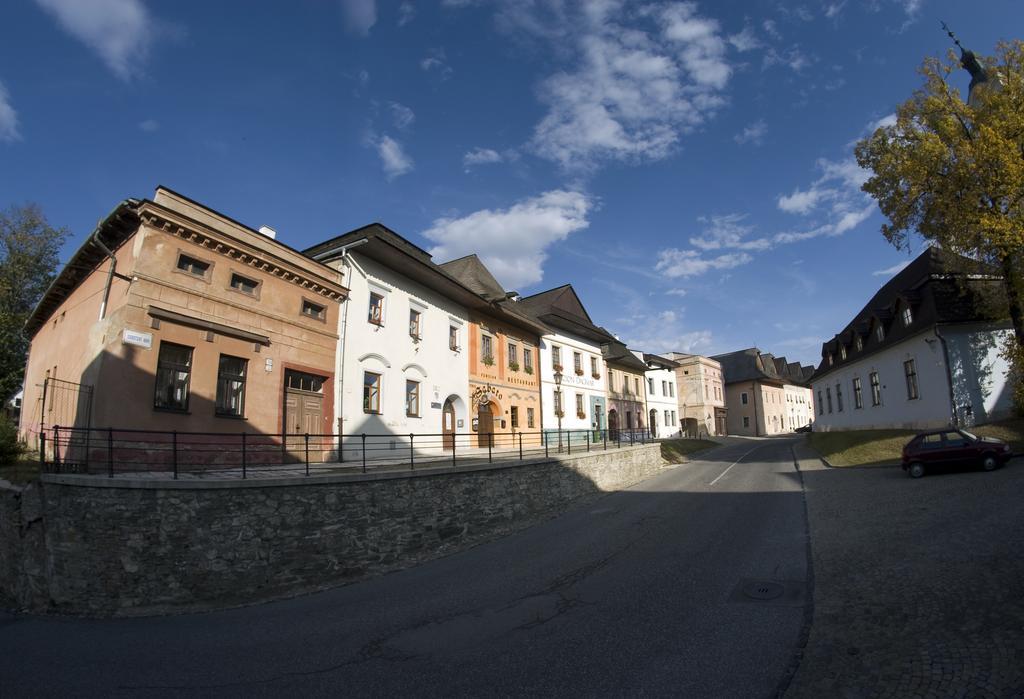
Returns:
<point x="343" y="330"/>
<point x="95" y="240"/>
<point x="955" y="422"/>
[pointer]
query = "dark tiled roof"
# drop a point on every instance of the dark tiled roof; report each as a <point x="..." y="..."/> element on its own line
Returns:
<point x="660" y="361"/>
<point x="753" y="365"/>
<point x="561" y="308"/>
<point x="617" y="353"/>
<point x="471" y="271"/>
<point x="938" y="287"/>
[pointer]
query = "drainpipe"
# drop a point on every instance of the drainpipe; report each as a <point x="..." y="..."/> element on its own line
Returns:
<point x="95" y="240"/>
<point x="949" y="377"/>
<point x="343" y="327"/>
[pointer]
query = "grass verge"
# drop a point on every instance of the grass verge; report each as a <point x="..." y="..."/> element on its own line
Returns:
<point x="876" y="447"/>
<point x="675" y="450"/>
<point x="22" y="470"/>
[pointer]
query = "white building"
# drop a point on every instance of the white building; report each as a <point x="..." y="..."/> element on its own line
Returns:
<point x="403" y="341"/>
<point x="572" y="351"/>
<point x="701" y="394"/>
<point x="920" y="354"/>
<point x="661" y="395"/>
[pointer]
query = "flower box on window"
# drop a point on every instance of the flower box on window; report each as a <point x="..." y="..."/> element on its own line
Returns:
<point x="559" y="413"/>
<point x="557" y="367"/>
<point x="579" y="372"/>
<point x="596" y="376"/>
<point x="581" y="415"/>
<point x="528" y="370"/>
<point x="514" y="366"/>
<point x="488" y="359"/>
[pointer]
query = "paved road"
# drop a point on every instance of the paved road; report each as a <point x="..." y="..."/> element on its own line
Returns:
<point x="632" y="594"/>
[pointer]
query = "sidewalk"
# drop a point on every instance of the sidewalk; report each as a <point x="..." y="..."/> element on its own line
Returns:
<point x="917" y="583"/>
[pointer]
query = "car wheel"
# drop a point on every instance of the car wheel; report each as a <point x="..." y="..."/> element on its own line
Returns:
<point x="916" y="469"/>
<point x="989" y="462"/>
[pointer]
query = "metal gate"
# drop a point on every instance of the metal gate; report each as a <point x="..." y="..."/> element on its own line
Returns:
<point x="67" y="404"/>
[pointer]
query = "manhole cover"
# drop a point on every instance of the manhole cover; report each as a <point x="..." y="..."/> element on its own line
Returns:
<point x="763" y="590"/>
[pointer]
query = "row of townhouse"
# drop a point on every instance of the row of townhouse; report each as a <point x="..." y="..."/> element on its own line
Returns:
<point x="924" y="352"/>
<point x="174" y="317"/>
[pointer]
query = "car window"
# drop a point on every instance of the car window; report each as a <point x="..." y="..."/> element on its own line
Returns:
<point x="931" y="441"/>
<point x="970" y="436"/>
<point x="954" y="439"/>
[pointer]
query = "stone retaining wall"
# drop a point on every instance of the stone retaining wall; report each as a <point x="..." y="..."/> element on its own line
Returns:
<point x="101" y="547"/>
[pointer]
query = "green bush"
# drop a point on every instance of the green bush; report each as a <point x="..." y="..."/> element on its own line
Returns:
<point x="11" y="448"/>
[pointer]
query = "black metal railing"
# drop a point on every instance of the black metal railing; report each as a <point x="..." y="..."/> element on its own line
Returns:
<point x="144" y="453"/>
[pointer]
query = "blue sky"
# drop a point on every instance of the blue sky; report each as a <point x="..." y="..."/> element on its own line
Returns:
<point x="687" y="166"/>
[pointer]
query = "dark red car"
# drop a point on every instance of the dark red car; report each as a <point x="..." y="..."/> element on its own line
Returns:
<point x="951" y="448"/>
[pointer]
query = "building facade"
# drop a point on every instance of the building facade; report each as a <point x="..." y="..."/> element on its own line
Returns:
<point x="572" y="372"/>
<point x="756" y="388"/>
<point x="701" y="394"/>
<point x="923" y="353"/>
<point x="661" y="396"/>
<point x="627" y="387"/>
<point x="174" y="317"/>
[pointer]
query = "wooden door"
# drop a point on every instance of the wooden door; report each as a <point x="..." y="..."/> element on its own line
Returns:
<point x="485" y="426"/>
<point x="303" y="412"/>
<point x="448" y="425"/>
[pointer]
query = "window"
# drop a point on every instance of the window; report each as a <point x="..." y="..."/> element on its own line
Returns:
<point x="746" y="422"/>
<point x="579" y="405"/>
<point x="828" y="399"/>
<point x="244" y="284"/>
<point x="664" y="388"/>
<point x="414" y="323"/>
<point x="858" y="343"/>
<point x="556" y="357"/>
<point x="671" y="390"/>
<point x="673" y="418"/>
<point x="453" y="338"/>
<point x="668" y="419"/>
<point x="858" y="398"/>
<point x="513" y="358"/>
<point x="191" y="265"/>
<point x="911" y="372"/>
<point x="821" y="404"/>
<point x="907" y="316"/>
<point x="842" y="352"/>
<point x="593" y="368"/>
<point x="558" y="400"/>
<point x="879" y="332"/>
<point x="376" y="311"/>
<point x="650" y="385"/>
<point x="487" y="349"/>
<point x="173" y="373"/>
<point x="529" y="418"/>
<point x="577" y="363"/>
<point x="839" y="397"/>
<point x="313" y="310"/>
<point x="231" y="386"/>
<point x="636" y="385"/>
<point x="629" y="419"/>
<point x="371" y="392"/>
<point x="876" y="391"/>
<point x="303" y="382"/>
<point x="514" y="416"/>
<point x="705" y="391"/>
<point x="412" y="398"/>
<point x="743" y="398"/>
<point x="528" y="359"/>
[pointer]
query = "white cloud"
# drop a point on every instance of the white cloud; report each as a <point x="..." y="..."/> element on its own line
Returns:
<point x="406" y="13"/>
<point x="746" y="40"/>
<point x="676" y="292"/>
<point x="437" y="61"/>
<point x="120" y="31"/>
<point x="727" y="231"/>
<point x="638" y="80"/>
<point x="804" y="201"/>
<point x="392" y="157"/>
<point x="360" y="15"/>
<point x="890" y="271"/>
<point x="653" y="336"/>
<point x="674" y="263"/>
<point x="887" y="120"/>
<point x="364" y="77"/>
<point x="8" y="118"/>
<point x="402" y="116"/>
<point x="512" y="242"/>
<point x="794" y="58"/>
<point x="754" y="133"/>
<point x="771" y="28"/>
<point x="832" y="10"/>
<point x="480" y="156"/>
<point x="150" y="125"/>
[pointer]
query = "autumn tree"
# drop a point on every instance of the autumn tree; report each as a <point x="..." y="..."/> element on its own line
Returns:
<point x="953" y="171"/>
<point x="29" y="248"/>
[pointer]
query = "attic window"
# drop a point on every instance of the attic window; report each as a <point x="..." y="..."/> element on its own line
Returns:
<point x="907" y="316"/>
<point x="842" y="352"/>
<point x="244" y="284"/>
<point x="879" y="332"/>
<point x="313" y="310"/>
<point x="858" y="343"/>
<point x="193" y="266"/>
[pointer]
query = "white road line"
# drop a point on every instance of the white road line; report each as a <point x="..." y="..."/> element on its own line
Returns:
<point x="730" y="466"/>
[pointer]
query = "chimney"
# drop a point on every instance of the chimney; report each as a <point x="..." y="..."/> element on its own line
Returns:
<point x="269" y="232"/>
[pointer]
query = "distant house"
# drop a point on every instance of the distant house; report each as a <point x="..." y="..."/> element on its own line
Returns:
<point x="662" y="395"/>
<point x="923" y="352"/>
<point x="701" y="394"/>
<point x="760" y="391"/>
<point x="626" y="385"/>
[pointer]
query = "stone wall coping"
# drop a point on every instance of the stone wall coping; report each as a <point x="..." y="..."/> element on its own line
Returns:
<point x="168" y="483"/>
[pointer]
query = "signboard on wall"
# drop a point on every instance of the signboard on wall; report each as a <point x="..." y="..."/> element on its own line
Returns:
<point x="132" y="337"/>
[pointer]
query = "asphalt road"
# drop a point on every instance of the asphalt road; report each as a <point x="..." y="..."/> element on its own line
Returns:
<point x="636" y="593"/>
